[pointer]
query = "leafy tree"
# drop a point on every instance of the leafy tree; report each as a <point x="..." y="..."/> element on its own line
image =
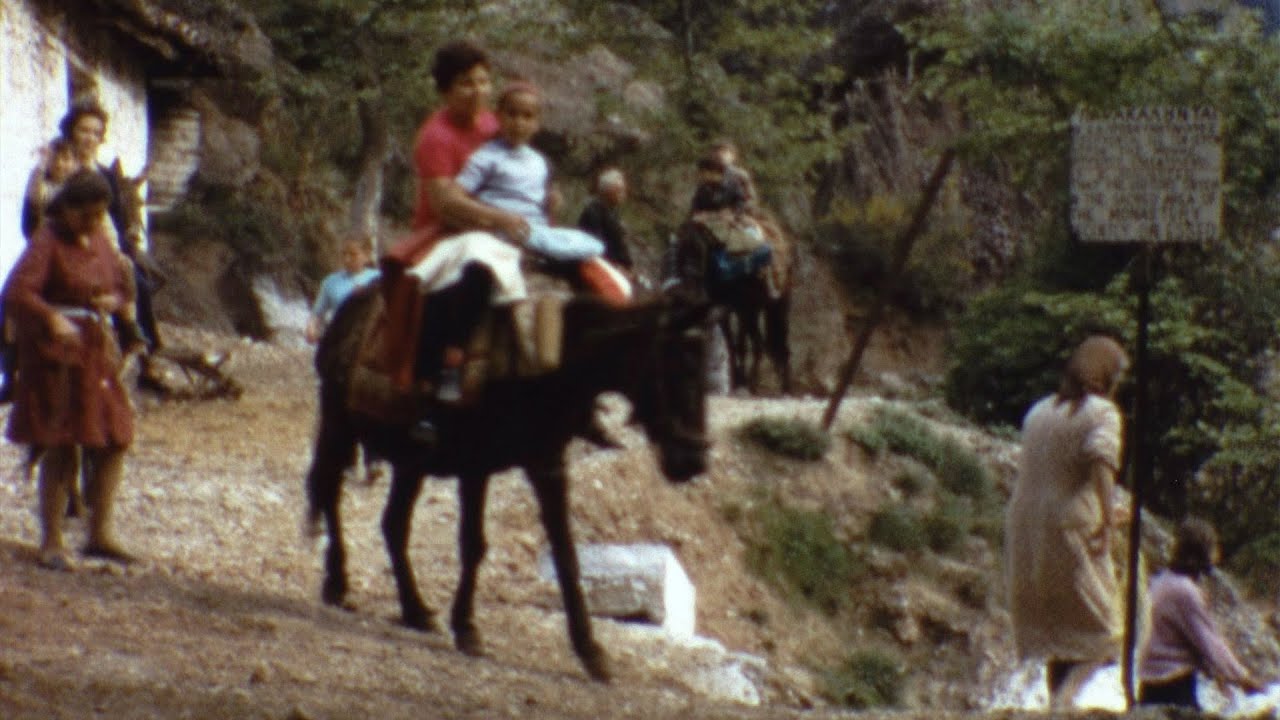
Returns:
<point x="356" y="77"/>
<point x="1020" y="73"/>
<point x="357" y="82"/>
<point x="754" y="71"/>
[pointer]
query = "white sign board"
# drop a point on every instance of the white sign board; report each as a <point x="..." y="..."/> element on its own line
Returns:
<point x="1149" y="174"/>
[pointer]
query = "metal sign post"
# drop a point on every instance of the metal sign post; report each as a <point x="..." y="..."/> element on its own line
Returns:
<point x="1151" y="175"/>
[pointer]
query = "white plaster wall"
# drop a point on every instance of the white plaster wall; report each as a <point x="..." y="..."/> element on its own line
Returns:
<point x="34" y="97"/>
<point x="33" y="89"/>
<point x="122" y="93"/>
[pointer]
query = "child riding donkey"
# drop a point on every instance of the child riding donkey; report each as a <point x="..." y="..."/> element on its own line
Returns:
<point x="465" y="254"/>
<point x="750" y="241"/>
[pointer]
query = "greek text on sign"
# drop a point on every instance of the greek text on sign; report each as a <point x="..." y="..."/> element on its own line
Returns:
<point x="1147" y="174"/>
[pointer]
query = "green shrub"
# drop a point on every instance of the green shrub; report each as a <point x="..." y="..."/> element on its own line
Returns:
<point x="867" y="679"/>
<point x="913" y="479"/>
<point x="988" y="522"/>
<point x="957" y="467"/>
<point x="898" y="527"/>
<point x="799" y="551"/>
<point x="868" y="438"/>
<point x="1239" y="489"/>
<point x="908" y="435"/>
<point x="948" y="523"/>
<point x="792" y="437"/>
<point x="858" y="241"/>
<point x="964" y="474"/>
<point x="1258" y="564"/>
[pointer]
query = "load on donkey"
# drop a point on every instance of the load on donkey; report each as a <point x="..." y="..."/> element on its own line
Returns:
<point x="734" y="254"/>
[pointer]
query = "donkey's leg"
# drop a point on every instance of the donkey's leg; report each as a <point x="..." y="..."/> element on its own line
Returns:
<point x="333" y="454"/>
<point x="552" y="488"/>
<point x="753" y="346"/>
<point x="732" y="344"/>
<point x="397" y="518"/>
<point x="472" y="490"/>
<point x="777" y="328"/>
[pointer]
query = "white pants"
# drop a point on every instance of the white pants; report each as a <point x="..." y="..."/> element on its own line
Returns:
<point x="443" y="266"/>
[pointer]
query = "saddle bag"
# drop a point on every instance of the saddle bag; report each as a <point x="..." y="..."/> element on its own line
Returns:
<point x="370" y="389"/>
<point x="738" y="233"/>
<point x="524" y="339"/>
<point x="727" y="267"/>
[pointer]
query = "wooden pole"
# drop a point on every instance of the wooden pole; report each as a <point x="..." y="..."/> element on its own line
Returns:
<point x="1141" y="468"/>
<point x="901" y="251"/>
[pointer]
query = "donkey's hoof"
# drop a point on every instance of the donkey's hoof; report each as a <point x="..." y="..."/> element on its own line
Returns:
<point x="468" y="642"/>
<point x="334" y="594"/>
<point x="597" y="666"/>
<point x="420" y="620"/>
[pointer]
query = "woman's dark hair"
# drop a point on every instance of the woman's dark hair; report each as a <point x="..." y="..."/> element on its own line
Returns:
<point x="84" y="187"/>
<point x="1193" y="547"/>
<point x="80" y="110"/>
<point x="454" y="60"/>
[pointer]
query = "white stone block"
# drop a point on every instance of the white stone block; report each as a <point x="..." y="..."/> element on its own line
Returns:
<point x="642" y="581"/>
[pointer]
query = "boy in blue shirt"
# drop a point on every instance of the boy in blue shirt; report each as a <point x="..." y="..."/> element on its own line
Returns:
<point x="356" y="272"/>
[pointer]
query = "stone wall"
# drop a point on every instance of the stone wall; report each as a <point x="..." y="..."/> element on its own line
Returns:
<point x="174" y="157"/>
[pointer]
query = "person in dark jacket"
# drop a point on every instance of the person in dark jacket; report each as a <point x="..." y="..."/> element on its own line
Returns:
<point x="601" y="218"/>
<point x="85" y="127"/>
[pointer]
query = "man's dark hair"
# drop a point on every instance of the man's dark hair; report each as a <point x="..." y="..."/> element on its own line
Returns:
<point x="454" y="60"/>
<point x="712" y="163"/>
<point x="86" y="108"/>
<point x="1193" y="547"/>
<point x="83" y="188"/>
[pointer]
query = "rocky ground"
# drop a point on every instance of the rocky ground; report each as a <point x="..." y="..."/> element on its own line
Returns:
<point x="221" y="617"/>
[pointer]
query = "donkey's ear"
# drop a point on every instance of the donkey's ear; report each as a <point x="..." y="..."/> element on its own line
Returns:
<point x="141" y="177"/>
<point x="116" y="168"/>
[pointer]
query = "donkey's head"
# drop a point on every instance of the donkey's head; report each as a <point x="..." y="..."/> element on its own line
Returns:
<point x="670" y="401"/>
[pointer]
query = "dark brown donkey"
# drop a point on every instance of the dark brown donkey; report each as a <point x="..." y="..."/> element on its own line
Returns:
<point x="754" y="318"/>
<point x="652" y="353"/>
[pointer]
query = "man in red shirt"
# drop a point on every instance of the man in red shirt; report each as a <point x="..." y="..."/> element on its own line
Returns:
<point x="473" y="268"/>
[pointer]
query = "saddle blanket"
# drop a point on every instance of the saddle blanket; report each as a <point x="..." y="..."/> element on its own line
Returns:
<point x="522" y="339"/>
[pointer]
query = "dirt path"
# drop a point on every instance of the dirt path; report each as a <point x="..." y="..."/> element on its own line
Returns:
<point x="221" y="618"/>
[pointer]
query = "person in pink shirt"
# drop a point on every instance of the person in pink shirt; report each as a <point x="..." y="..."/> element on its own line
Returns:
<point x="1184" y="641"/>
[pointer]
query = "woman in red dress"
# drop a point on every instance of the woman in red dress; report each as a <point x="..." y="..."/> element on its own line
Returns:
<point x="68" y="398"/>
